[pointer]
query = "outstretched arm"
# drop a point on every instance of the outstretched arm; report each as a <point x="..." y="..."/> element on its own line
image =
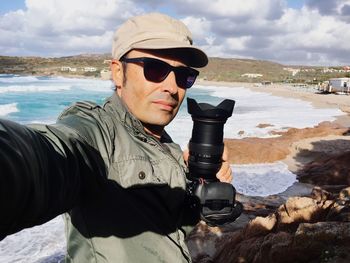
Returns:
<point x="42" y="174"/>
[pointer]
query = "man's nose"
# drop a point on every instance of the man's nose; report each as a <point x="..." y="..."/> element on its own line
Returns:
<point x="169" y="84"/>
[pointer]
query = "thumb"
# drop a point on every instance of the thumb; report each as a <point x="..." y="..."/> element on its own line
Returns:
<point x="185" y="155"/>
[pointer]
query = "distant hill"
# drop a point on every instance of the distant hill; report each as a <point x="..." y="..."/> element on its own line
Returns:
<point x="219" y="69"/>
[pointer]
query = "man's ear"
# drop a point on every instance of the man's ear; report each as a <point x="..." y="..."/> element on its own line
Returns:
<point x="117" y="73"/>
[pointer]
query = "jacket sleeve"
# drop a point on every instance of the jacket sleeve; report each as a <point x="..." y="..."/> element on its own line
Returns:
<point x="43" y="174"/>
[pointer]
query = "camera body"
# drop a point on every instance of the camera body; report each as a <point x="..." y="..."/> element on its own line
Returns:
<point x="206" y="146"/>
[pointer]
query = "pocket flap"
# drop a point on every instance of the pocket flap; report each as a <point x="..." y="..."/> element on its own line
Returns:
<point x="137" y="172"/>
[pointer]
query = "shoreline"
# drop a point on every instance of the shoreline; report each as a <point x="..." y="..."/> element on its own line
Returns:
<point x="321" y="101"/>
<point x="288" y="91"/>
<point x="303" y="151"/>
<point x="341" y="102"/>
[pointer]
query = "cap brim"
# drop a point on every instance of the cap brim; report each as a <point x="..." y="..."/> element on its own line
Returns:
<point x="195" y="57"/>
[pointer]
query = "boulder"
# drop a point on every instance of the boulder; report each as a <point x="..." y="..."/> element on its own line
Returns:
<point x="302" y="229"/>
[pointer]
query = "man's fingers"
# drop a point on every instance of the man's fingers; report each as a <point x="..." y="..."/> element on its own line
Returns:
<point x="225" y="154"/>
<point x="186" y="154"/>
<point x="225" y="173"/>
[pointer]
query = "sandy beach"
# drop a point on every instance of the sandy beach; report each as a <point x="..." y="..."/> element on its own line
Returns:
<point x="310" y="144"/>
<point x="285" y="90"/>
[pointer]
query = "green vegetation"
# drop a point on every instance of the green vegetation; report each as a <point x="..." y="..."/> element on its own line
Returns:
<point x="52" y="66"/>
<point x="218" y="69"/>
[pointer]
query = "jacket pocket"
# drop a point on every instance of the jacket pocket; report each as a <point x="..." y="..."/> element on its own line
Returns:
<point x="136" y="171"/>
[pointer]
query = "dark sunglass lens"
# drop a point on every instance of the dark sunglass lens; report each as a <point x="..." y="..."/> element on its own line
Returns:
<point x="155" y="71"/>
<point x="185" y="78"/>
<point x="190" y="81"/>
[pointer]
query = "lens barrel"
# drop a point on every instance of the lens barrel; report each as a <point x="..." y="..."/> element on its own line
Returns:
<point x="206" y="145"/>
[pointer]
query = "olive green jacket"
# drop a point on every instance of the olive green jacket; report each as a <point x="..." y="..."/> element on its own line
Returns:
<point x="123" y="191"/>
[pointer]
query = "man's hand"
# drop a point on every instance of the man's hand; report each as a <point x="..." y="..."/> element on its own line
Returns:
<point x="225" y="173"/>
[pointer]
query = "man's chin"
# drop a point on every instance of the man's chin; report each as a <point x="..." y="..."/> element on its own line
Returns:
<point x="161" y="121"/>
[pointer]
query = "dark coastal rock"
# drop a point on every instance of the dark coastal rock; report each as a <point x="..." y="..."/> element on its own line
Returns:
<point x="334" y="170"/>
<point x="264" y="125"/>
<point x="314" y="228"/>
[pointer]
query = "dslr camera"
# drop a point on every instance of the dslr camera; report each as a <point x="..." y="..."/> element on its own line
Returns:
<point x="216" y="200"/>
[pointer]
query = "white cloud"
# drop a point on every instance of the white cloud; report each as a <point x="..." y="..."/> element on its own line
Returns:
<point x="200" y="27"/>
<point x="318" y="33"/>
<point x="303" y="36"/>
<point x="269" y="9"/>
<point x="61" y="27"/>
<point x="237" y="43"/>
<point x="317" y="36"/>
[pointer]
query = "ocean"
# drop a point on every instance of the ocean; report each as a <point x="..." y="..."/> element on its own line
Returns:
<point x="30" y="99"/>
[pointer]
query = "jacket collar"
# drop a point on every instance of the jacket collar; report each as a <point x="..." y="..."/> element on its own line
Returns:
<point x="118" y="108"/>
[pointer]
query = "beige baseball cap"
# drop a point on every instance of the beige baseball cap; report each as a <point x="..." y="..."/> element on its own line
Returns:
<point x="157" y="31"/>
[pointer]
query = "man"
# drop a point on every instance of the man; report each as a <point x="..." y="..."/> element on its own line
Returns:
<point x="112" y="169"/>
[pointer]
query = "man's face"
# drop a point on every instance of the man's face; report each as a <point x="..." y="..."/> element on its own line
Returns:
<point x="154" y="104"/>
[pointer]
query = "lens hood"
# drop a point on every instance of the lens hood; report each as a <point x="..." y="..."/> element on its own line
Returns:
<point x="204" y="110"/>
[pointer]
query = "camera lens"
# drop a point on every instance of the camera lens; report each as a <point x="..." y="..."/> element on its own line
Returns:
<point x="206" y="145"/>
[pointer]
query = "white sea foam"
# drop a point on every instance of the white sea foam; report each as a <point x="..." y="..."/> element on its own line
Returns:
<point x="100" y="86"/>
<point x="18" y="79"/>
<point x="42" y="121"/>
<point x="35" y="84"/>
<point x="262" y="179"/>
<point x="8" y="108"/>
<point x="35" y="244"/>
<point x="33" y="88"/>
<point x="254" y="108"/>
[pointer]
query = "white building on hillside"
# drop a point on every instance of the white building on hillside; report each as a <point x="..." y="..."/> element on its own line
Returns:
<point x="294" y="71"/>
<point x="90" y="69"/>
<point x="252" y="75"/>
<point x="66" y="68"/>
<point x="339" y="85"/>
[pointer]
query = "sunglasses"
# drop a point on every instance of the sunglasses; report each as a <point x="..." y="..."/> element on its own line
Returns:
<point x="156" y="70"/>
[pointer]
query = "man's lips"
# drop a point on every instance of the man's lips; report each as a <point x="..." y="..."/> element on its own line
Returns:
<point x="166" y="105"/>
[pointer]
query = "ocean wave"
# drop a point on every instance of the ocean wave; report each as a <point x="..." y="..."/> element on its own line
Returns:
<point x="43" y="243"/>
<point x="103" y="87"/>
<point x="61" y="79"/>
<point x="2" y="75"/>
<point x="13" y="83"/>
<point x="253" y="108"/>
<point x="33" y="88"/>
<point x="262" y="179"/>
<point x="8" y="108"/>
<point x="43" y="121"/>
<point x="17" y="79"/>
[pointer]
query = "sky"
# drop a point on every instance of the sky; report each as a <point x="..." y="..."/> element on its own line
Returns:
<point x="299" y="32"/>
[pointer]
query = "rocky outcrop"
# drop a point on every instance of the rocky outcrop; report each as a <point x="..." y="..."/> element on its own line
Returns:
<point x="303" y="229"/>
<point x="313" y="226"/>
<point x="267" y="150"/>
